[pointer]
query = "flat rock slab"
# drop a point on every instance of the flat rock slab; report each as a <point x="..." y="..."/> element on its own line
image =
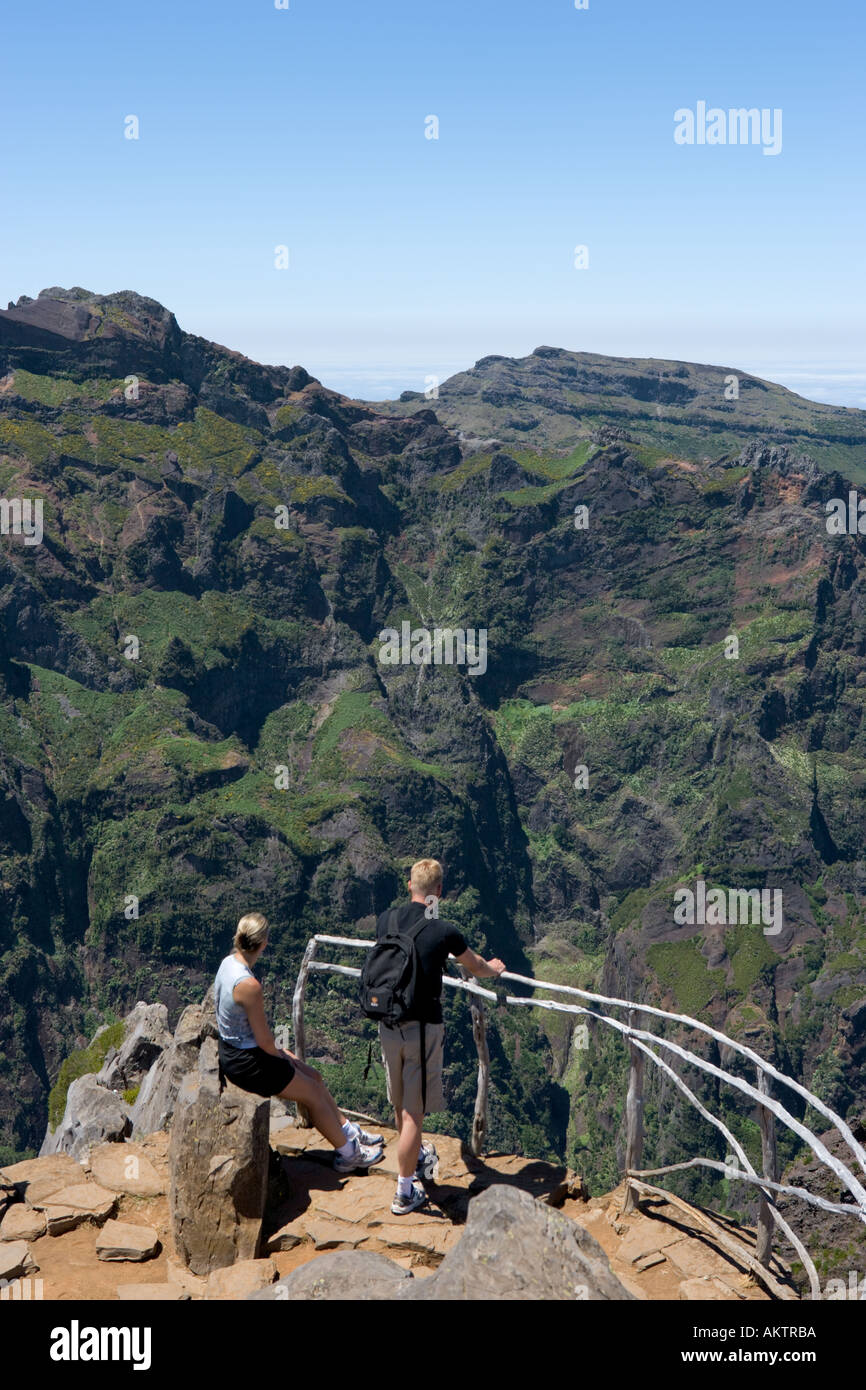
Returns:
<point x="23" y="1222"/>
<point x="152" y="1293"/>
<point x="646" y="1239"/>
<point x="358" y="1201"/>
<point x="327" y="1234"/>
<point x="531" y="1175"/>
<point x="429" y="1236"/>
<point x="292" y="1140"/>
<point x="15" y="1259"/>
<point x="71" y="1206"/>
<point x="287" y="1237"/>
<point x="655" y="1257"/>
<point x="126" y="1168"/>
<point x="120" y="1240"/>
<point x="156" y="1146"/>
<point x="194" y="1284"/>
<point x="38" y="1178"/>
<point x="241" y="1279"/>
<point x="706" y="1290"/>
<point x="695" y="1260"/>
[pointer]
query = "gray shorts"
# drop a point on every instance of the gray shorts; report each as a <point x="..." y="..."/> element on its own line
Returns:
<point x="401" y="1054"/>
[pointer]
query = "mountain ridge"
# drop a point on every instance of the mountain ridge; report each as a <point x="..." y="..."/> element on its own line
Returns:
<point x="154" y="779"/>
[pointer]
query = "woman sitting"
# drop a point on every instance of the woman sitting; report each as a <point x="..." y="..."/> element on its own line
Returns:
<point x="250" y="1058"/>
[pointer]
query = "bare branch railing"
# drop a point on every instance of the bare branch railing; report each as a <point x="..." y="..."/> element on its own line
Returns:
<point x="639" y="1040"/>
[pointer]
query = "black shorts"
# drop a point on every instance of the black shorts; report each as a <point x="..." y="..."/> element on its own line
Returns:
<point x="253" y="1069"/>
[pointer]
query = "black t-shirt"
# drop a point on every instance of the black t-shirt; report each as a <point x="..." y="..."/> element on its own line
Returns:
<point x="438" y="940"/>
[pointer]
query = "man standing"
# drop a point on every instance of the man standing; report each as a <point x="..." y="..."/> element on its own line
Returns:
<point x="415" y="1089"/>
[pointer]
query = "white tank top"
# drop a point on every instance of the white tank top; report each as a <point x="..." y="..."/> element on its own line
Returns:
<point x="233" y="1025"/>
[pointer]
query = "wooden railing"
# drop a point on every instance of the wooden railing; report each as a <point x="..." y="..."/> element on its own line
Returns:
<point x="643" y="1044"/>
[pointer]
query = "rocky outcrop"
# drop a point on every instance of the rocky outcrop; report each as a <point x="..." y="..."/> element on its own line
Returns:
<point x="83" y="1228"/>
<point x="150" y="1059"/>
<point x="605" y="648"/>
<point x="146" y="1035"/>
<point x="219" y="1169"/>
<point x="92" y="1114"/>
<point x="513" y="1247"/>
<point x="155" y="1102"/>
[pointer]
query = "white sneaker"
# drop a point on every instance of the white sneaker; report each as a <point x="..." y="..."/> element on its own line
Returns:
<point x="416" y="1198"/>
<point x="360" y="1158"/>
<point x="372" y="1141"/>
<point x="428" y="1162"/>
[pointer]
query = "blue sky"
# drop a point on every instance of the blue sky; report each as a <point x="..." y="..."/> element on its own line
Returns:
<point x="408" y="256"/>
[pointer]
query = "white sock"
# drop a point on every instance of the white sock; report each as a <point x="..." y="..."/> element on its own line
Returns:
<point x="350" y="1131"/>
<point x="346" y="1150"/>
<point x="404" y="1187"/>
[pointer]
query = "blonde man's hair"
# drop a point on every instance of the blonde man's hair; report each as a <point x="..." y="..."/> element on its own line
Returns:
<point x="252" y="931"/>
<point x="426" y="876"/>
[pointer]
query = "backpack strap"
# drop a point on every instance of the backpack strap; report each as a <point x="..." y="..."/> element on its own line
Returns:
<point x="413" y="933"/>
<point x="423" y="1070"/>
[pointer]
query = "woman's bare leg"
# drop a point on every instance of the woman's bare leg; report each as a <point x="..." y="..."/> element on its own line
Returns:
<point x="315" y="1095"/>
<point x="305" y="1070"/>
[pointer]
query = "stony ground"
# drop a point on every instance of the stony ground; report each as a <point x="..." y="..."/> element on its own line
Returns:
<point x="72" y="1229"/>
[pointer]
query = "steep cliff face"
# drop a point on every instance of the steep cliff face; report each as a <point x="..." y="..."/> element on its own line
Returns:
<point x="197" y="717"/>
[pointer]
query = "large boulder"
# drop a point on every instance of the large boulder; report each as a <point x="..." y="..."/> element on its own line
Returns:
<point x="145" y="1036"/>
<point x="93" y="1114"/>
<point x="343" y="1275"/>
<point x="218" y="1158"/>
<point x="513" y="1248"/>
<point x="157" y="1096"/>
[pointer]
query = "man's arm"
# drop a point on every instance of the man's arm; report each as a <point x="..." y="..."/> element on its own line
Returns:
<point x="477" y="965"/>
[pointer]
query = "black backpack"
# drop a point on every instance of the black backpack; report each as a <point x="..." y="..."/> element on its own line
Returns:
<point x="391" y="975"/>
<point x="390" y="980"/>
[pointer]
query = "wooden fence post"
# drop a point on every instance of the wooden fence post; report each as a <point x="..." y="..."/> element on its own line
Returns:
<point x="479" y="1033"/>
<point x="634" y="1119"/>
<point x="303" y="1115"/>
<point x="764" y="1248"/>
